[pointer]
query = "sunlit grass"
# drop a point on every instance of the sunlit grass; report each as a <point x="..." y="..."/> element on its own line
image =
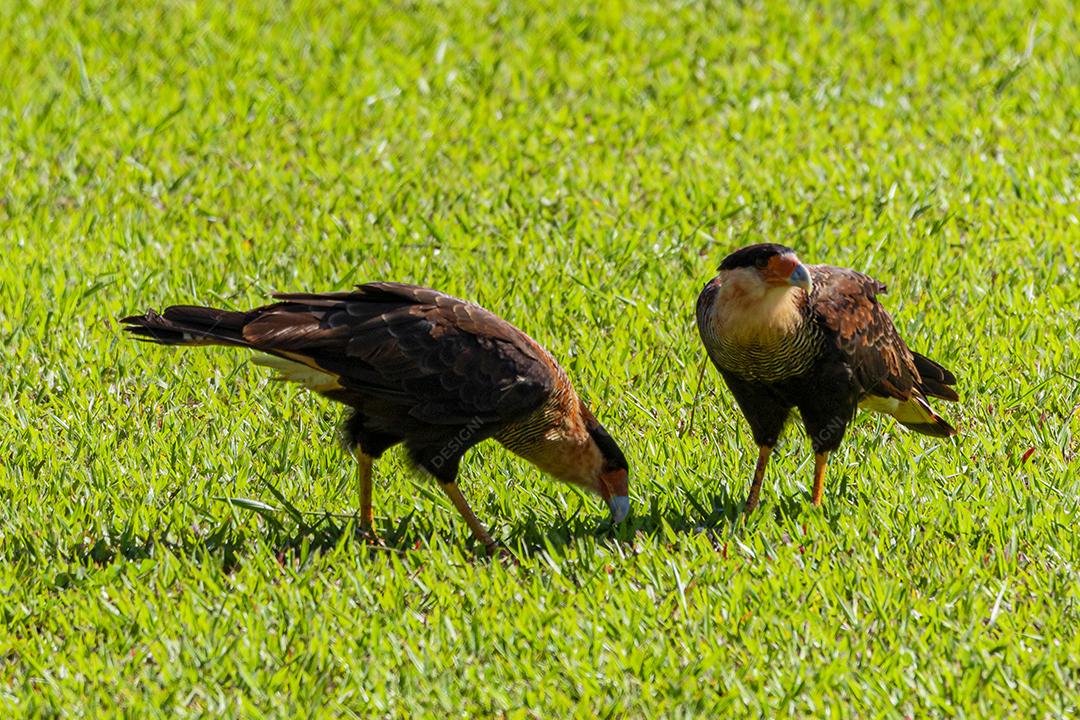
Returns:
<point x="581" y="171"/>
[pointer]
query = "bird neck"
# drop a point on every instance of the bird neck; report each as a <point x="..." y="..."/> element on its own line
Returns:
<point x="555" y="438"/>
<point x="758" y="314"/>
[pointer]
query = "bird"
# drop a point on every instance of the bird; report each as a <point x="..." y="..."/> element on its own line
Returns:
<point x="420" y="368"/>
<point x="814" y="337"/>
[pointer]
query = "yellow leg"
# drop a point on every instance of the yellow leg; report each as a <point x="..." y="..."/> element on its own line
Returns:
<point x="367" y="518"/>
<point x="759" y="475"/>
<point x="820" y="461"/>
<point x="478" y="530"/>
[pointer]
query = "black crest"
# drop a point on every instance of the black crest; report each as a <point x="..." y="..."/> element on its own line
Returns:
<point x="611" y="451"/>
<point x="753" y="255"/>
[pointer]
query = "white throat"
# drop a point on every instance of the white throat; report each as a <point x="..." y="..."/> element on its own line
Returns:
<point x="746" y="310"/>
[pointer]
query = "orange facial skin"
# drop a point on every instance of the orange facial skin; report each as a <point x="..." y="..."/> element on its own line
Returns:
<point x="779" y="269"/>
<point x="614" y="483"/>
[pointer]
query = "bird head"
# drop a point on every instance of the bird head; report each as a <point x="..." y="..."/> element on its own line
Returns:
<point x="767" y="265"/>
<point x="611" y="475"/>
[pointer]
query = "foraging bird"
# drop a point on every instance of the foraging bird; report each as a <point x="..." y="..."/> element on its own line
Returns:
<point x="814" y="337"/>
<point x="421" y="368"/>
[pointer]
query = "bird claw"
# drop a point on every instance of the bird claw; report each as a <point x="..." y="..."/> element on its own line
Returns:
<point x="372" y="538"/>
<point x="496" y="550"/>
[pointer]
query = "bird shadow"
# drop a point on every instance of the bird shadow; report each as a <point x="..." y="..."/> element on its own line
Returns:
<point x="293" y="535"/>
<point x="718" y="512"/>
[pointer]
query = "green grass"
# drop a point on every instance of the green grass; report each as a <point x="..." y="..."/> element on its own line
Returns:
<point x="581" y="172"/>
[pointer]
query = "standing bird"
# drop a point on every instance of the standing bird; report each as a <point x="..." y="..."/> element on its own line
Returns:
<point x="783" y="335"/>
<point x="421" y="368"/>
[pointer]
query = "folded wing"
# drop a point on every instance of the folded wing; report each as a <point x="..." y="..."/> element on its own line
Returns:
<point x="890" y="377"/>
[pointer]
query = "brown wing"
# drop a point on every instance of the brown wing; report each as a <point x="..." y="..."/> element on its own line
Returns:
<point x="415" y="351"/>
<point x="936" y="380"/>
<point x="845" y="305"/>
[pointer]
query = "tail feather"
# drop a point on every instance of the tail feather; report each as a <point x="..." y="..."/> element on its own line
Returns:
<point x="189" y="325"/>
<point x="936" y="380"/>
<point x="914" y="413"/>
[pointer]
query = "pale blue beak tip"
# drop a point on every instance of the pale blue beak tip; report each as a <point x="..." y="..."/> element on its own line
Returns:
<point x="800" y="277"/>
<point x="620" y="508"/>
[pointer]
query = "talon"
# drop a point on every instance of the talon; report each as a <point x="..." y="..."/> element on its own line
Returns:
<point x="506" y="556"/>
<point x="371" y="538"/>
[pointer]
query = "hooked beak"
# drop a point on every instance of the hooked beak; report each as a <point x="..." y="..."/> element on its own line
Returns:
<point x="620" y="508"/>
<point x="800" y="277"/>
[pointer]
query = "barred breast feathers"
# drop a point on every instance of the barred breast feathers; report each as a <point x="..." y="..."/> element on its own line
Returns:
<point x="757" y="332"/>
<point x="546" y="422"/>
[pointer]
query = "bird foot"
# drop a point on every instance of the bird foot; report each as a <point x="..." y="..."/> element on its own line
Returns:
<point x="496" y="550"/>
<point x="371" y="538"/>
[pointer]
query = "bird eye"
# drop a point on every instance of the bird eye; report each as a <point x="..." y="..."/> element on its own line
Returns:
<point x="761" y="262"/>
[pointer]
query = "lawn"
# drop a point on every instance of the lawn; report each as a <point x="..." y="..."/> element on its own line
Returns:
<point x="581" y="171"/>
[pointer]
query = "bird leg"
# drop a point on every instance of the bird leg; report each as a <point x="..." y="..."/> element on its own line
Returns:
<point x="478" y="530"/>
<point x="367" y="518"/>
<point x="820" y="461"/>
<point x="759" y="475"/>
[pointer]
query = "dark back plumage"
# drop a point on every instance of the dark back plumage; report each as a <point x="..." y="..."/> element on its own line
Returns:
<point x="417" y="364"/>
<point x="441" y="359"/>
<point x="845" y="305"/>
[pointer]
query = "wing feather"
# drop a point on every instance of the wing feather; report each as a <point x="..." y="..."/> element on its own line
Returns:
<point x="846" y="307"/>
<point x="432" y="357"/>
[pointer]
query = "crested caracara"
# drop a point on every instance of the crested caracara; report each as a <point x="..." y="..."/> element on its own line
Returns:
<point x="421" y="368"/>
<point x="814" y="337"/>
